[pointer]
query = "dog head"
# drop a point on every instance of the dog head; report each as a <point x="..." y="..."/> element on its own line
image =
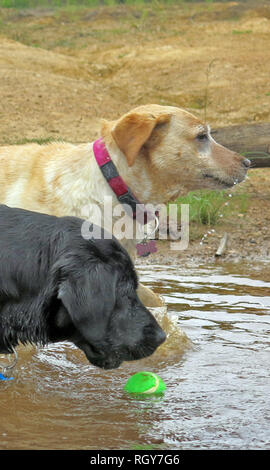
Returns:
<point x="99" y="298"/>
<point x="170" y="152"/>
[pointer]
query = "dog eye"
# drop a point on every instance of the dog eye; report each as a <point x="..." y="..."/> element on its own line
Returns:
<point x="202" y="137"/>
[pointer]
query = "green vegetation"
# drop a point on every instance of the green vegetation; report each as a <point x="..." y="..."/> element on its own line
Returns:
<point x="47" y="3"/>
<point x="86" y="3"/>
<point x="205" y="207"/>
<point x="209" y="207"/>
<point x="65" y="3"/>
<point x="246" y="31"/>
<point x="40" y="141"/>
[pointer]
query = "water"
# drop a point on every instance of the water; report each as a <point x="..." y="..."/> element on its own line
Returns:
<point x="218" y="384"/>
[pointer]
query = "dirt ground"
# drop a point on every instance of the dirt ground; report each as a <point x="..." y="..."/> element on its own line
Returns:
<point x="61" y="71"/>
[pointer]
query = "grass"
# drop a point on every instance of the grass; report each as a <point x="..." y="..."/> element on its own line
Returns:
<point x="85" y="3"/>
<point x="61" y="3"/>
<point x="25" y="141"/>
<point x="36" y="33"/>
<point x="246" y="31"/>
<point x="210" y="207"/>
<point x="205" y="207"/>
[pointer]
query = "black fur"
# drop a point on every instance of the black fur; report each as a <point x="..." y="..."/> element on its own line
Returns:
<point x="56" y="286"/>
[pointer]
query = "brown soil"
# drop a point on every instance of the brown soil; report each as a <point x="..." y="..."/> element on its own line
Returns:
<point x="62" y="71"/>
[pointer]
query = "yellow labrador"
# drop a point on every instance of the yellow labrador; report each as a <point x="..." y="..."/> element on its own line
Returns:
<point x="160" y="152"/>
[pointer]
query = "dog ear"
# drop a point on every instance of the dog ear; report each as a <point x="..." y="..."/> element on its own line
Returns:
<point x="133" y="130"/>
<point x="89" y="299"/>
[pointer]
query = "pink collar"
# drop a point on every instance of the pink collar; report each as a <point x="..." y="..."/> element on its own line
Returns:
<point x="124" y="194"/>
<point x="117" y="184"/>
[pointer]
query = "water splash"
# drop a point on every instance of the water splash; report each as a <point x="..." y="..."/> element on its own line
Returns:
<point x="206" y="235"/>
<point x="210" y="232"/>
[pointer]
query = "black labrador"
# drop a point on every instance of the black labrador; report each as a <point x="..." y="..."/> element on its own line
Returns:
<point x="56" y="286"/>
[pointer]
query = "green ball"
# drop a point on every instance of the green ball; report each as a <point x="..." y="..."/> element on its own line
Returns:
<point x="146" y="383"/>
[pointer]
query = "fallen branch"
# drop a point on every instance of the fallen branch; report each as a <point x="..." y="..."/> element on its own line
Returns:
<point x="251" y="140"/>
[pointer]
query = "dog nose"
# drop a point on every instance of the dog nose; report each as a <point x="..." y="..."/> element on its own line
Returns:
<point x="160" y="337"/>
<point x="246" y="162"/>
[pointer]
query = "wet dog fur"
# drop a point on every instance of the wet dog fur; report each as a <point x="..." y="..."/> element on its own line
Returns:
<point x="56" y="286"/>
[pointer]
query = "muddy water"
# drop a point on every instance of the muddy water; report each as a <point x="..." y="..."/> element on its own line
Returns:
<point x="218" y="384"/>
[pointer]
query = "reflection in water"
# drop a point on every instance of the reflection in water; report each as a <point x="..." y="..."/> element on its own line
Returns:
<point x="214" y="363"/>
